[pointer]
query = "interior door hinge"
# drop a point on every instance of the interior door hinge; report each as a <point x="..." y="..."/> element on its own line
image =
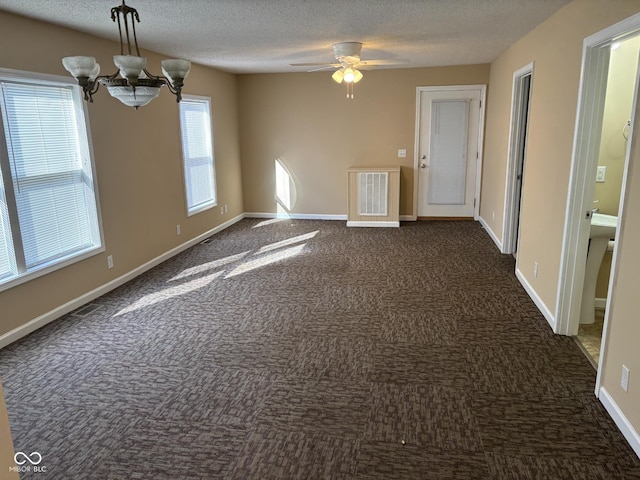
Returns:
<point x="474" y="203"/>
<point x="480" y="103"/>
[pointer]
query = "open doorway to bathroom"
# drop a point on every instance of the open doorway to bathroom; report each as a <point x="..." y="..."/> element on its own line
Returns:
<point x="621" y="78"/>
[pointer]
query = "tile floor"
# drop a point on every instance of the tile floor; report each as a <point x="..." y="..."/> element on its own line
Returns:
<point x="590" y="337"/>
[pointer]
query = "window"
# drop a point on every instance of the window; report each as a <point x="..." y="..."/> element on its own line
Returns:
<point x="197" y="153"/>
<point x="48" y="206"/>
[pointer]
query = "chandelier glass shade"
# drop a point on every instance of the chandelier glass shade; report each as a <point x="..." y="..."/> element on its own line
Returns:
<point x="132" y="83"/>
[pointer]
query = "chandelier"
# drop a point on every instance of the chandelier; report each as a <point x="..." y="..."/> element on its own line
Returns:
<point x="132" y="83"/>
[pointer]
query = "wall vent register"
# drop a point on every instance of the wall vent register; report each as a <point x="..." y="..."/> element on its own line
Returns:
<point x="374" y="197"/>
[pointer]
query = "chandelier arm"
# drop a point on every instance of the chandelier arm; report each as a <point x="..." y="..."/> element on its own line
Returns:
<point x="174" y="89"/>
<point x="89" y="88"/>
<point x="89" y="91"/>
<point x="151" y="75"/>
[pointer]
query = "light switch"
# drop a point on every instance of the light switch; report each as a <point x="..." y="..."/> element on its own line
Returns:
<point x="402" y="153"/>
<point x="602" y="171"/>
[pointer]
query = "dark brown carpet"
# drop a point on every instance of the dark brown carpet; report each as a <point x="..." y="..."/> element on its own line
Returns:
<point x="307" y="350"/>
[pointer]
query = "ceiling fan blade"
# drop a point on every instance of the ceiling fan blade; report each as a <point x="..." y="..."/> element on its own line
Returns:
<point x="313" y="64"/>
<point x="326" y="67"/>
<point x="375" y="63"/>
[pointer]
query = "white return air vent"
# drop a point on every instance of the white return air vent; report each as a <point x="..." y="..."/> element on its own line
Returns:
<point x="374" y="197"/>
<point x="372" y="193"/>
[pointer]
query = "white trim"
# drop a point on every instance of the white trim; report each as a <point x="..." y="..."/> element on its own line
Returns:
<point x="416" y="147"/>
<point x="491" y="233"/>
<point x="360" y="223"/>
<point x="508" y="234"/>
<point x="588" y="127"/>
<point x="619" y="31"/>
<point x="71" y="305"/>
<point x="483" y="104"/>
<point x="45" y="77"/>
<point x="536" y="299"/>
<point x="622" y="422"/>
<point x="295" y="216"/>
<point x="600" y="303"/>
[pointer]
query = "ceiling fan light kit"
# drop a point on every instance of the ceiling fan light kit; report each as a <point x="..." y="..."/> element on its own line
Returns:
<point x="132" y="83"/>
<point x="348" y="56"/>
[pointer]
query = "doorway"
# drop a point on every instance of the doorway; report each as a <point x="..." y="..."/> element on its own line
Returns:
<point x="623" y="65"/>
<point x="586" y="154"/>
<point x="520" y="102"/>
<point x="449" y="126"/>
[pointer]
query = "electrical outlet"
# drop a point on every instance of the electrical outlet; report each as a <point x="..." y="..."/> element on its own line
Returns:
<point x="110" y="261"/>
<point x="624" y="379"/>
<point x="535" y="269"/>
<point x="493" y="216"/>
<point x="178" y="231"/>
<point x="402" y="152"/>
<point x="225" y="208"/>
<point x="222" y="210"/>
<point x="601" y="174"/>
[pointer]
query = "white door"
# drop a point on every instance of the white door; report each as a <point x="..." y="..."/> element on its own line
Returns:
<point x="448" y="148"/>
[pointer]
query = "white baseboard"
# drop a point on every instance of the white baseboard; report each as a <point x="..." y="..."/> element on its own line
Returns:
<point x="600" y="303"/>
<point x="491" y="233"/>
<point x="536" y="299"/>
<point x="620" y="419"/>
<point x="70" y="306"/>
<point x="313" y="216"/>
<point x="295" y="216"/>
<point x="358" y="223"/>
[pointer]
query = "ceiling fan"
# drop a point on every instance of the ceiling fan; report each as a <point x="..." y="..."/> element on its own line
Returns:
<point x="348" y="64"/>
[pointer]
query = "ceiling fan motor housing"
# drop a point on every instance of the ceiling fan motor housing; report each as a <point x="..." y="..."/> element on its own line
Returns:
<point x="345" y="50"/>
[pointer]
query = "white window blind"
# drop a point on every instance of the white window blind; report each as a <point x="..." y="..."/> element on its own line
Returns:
<point x="48" y="211"/>
<point x="448" y="169"/>
<point x="197" y="153"/>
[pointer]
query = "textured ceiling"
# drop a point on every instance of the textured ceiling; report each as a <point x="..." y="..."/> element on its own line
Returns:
<point x="252" y="36"/>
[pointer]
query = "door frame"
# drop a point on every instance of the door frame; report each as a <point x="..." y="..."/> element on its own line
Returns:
<point x="510" y="230"/>
<point x="416" y="148"/>
<point x="586" y="149"/>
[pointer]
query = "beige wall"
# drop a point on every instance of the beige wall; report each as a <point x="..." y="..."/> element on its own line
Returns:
<point x="306" y="121"/>
<point x="624" y="323"/>
<point x="556" y="48"/>
<point x="138" y="166"/>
